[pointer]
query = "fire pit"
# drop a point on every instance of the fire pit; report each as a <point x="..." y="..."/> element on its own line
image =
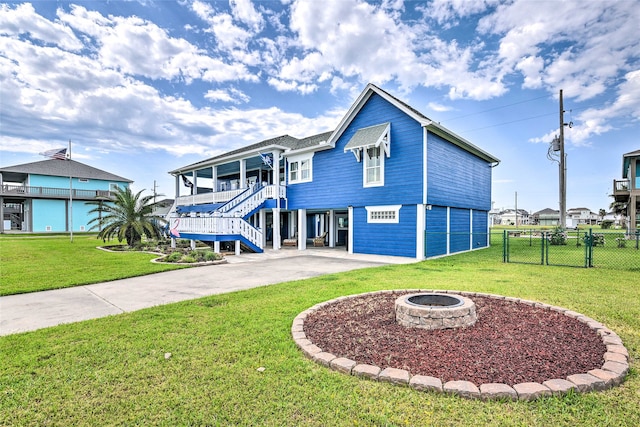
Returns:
<point x="435" y="311"/>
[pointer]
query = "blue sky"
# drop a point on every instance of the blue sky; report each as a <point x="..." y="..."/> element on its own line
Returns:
<point x="141" y="88"/>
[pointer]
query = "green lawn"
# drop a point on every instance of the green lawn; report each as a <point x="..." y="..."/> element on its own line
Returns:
<point x="113" y="371"/>
<point x="37" y="263"/>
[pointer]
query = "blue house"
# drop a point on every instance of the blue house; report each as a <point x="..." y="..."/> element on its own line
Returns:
<point x="386" y="181"/>
<point x="52" y="195"/>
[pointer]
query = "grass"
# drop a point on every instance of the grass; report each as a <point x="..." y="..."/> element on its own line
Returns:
<point x="37" y="263"/>
<point x="113" y="371"/>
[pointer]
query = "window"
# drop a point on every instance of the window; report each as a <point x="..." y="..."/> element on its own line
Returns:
<point x="113" y="186"/>
<point x="300" y="169"/>
<point x="373" y="161"/>
<point x="370" y="146"/>
<point x="383" y="214"/>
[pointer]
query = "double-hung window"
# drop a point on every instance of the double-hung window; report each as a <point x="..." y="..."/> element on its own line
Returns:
<point x="373" y="161"/>
<point x="370" y="146"/>
<point x="300" y="169"/>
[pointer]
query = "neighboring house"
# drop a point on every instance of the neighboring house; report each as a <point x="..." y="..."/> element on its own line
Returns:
<point x="627" y="190"/>
<point x="513" y="217"/>
<point x="581" y="216"/>
<point x="546" y="217"/>
<point x="35" y="197"/>
<point x="386" y="181"/>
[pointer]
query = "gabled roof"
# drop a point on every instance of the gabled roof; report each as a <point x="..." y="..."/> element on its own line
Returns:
<point x="292" y="145"/>
<point x="547" y="211"/>
<point x="423" y="120"/>
<point x="55" y="167"/>
<point x="283" y="142"/>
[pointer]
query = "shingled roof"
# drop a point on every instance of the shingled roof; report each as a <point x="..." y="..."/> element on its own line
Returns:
<point x="55" y="167"/>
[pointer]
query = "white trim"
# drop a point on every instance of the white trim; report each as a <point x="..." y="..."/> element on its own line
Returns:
<point x="380" y="182"/>
<point x="448" y="230"/>
<point x="425" y="170"/>
<point x="351" y="225"/>
<point x="420" y="230"/>
<point x="389" y="214"/>
<point x="299" y="159"/>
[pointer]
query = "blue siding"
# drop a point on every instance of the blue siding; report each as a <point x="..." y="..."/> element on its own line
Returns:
<point x="337" y="176"/>
<point x="436" y="235"/>
<point x="63" y="182"/>
<point x="51" y="213"/>
<point x="385" y="239"/>
<point x="455" y="177"/>
<point x="459" y="230"/>
<point x="480" y="236"/>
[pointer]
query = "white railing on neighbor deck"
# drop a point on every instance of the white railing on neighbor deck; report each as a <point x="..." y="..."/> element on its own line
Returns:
<point x="218" y="225"/>
<point x="217" y="197"/>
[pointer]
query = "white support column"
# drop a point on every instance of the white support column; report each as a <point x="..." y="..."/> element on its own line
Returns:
<point x="291" y="217"/>
<point x="243" y="173"/>
<point x="350" y="239"/>
<point x="420" y="230"/>
<point x="276" y="229"/>
<point x="214" y="178"/>
<point x="276" y="167"/>
<point x="237" y="247"/>
<point x="177" y="186"/>
<point x="192" y="244"/>
<point x="448" y="230"/>
<point x="216" y="246"/>
<point x="195" y="182"/>
<point x="173" y="243"/>
<point x="262" y="219"/>
<point x="471" y="229"/>
<point x="302" y="229"/>
<point x="332" y="229"/>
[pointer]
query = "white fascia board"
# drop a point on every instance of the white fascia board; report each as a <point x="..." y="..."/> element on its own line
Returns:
<point x="359" y="103"/>
<point x="319" y="147"/>
<point x="232" y="158"/>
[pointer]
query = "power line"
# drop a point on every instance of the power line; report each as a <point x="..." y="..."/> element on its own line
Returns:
<point x="497" y="108"/>
<point x="509" y="122"/>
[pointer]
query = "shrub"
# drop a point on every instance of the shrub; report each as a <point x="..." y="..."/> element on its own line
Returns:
<point x="210" y="256"/>
<point x="174" y="257"/>
<point x="558" y="237"/>
<point x="606" y="224"/>
<point x="188" y="259"/>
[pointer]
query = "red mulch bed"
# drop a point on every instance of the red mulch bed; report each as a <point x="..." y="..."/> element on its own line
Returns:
<point x="510" y="343"/>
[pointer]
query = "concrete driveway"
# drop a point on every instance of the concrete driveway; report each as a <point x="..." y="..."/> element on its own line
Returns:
<point x="28" y="312"/>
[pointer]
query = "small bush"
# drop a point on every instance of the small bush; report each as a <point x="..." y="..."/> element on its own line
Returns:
<point x="558" y="237"/>
<point x="210" y="256"/>
<point x="606" y="224"/>
<point x="188" y="259"/>
<point x="174" y="257"/>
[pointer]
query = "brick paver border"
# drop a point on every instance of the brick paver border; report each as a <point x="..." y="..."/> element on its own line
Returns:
<point x="610" y="374"/>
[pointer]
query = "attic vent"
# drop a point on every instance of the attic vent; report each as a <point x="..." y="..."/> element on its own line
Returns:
<point x="47" y="228"/>
<point x="83" y="180"/>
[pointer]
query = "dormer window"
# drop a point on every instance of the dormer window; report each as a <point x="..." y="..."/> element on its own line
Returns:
<point x="371" y="144"/>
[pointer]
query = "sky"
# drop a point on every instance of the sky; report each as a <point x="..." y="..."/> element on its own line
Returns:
<point x="144" y="87"/>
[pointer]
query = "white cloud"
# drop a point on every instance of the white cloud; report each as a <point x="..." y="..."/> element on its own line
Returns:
<point x="23" y="19"/>
<point x="232" y="95"/>
<point x="434" y="106"/>
<point x="244" y="11"/>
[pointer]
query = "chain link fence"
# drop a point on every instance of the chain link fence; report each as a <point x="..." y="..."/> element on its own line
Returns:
<point x="575" y="248"/>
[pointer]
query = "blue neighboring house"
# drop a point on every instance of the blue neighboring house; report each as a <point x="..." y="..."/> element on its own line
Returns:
<point x="386" y="181"/>
<point x="35" y="197"/>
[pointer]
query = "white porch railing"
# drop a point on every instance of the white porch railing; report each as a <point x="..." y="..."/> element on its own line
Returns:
<point x="217" y="197"/>
<point x="218" y="225"/>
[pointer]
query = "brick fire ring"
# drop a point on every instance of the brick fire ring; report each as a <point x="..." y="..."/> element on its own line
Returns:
<point x="610" y="374"/>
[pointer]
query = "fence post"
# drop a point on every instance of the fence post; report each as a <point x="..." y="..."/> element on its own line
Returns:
<point x="505" y="241"/>
<point x="543" y="241"/>
<point x="590" y="250"/>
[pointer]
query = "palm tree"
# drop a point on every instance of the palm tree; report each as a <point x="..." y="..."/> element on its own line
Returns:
<point x="619" y="208"/>
<point x="128" y="216"/>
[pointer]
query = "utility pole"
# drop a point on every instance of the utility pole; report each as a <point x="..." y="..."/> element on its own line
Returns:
<point x="562" y="169"/>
